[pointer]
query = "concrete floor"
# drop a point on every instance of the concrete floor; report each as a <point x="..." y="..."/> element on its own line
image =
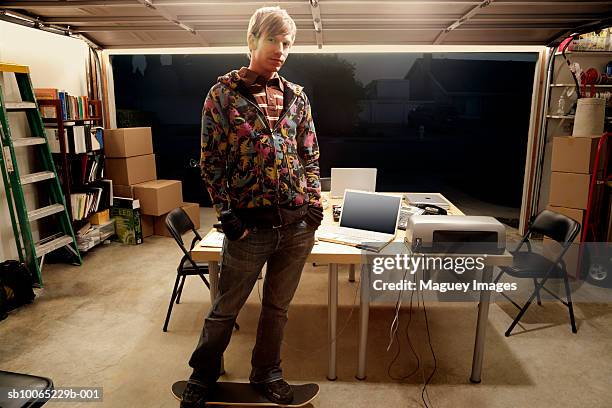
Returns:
<point x="100" y="325"/>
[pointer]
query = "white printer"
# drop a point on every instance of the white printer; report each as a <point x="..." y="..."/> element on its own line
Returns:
<point x="461" y="234"/>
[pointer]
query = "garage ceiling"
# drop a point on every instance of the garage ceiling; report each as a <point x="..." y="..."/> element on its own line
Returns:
<point x="196" y="23"/>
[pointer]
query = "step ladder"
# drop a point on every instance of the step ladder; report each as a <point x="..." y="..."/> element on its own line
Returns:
<point x="30" y="252"/>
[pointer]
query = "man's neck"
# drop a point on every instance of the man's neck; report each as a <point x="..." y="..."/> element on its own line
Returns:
<point x="266" y="75"/>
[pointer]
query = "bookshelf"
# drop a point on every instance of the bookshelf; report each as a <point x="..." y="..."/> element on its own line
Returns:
<point x="78" y="156"/>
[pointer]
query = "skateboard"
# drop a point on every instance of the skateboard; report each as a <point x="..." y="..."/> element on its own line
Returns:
<point x="244" y="395"/>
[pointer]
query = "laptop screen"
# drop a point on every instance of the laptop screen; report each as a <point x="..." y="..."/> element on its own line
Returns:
<point x="370" y="212"/>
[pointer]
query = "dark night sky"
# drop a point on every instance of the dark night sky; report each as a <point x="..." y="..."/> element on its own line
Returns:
<point x="167" y="92"/>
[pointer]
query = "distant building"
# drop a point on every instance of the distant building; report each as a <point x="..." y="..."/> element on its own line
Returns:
<point x="387" y="101"/>
<point x="476" y="88"/>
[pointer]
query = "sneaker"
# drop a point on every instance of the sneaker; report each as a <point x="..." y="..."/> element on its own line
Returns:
<point x="194" y="396"/>
<point x="277" y="391"/>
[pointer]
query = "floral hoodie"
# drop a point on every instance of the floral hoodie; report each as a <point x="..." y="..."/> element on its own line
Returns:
<point x="244" y="163"/>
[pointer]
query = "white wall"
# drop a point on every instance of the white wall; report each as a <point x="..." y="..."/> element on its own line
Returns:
<point x="55" y="61"/>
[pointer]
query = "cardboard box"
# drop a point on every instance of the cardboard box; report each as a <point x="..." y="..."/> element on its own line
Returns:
<point x="192" y="210"/>
<point x="131" y="170"/>
<point x="569" y="190"/>
<point x="574" y="154"/>
<point x="126" y="213"/>
<point x="552" y="249"/>
<point x="128" y="142"/>
<point x="159" y="227"/>
<point x="159" y="197"/>
<point x="147" y="222"/>
<point x="101" y="217"/>
<point x="123" y="191"/>
<point x="573" y="213"/>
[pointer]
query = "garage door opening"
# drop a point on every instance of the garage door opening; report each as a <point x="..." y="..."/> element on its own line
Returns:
<point x="453" y="123"/>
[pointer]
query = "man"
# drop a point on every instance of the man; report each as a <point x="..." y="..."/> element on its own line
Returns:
<point x="260" y="164"/>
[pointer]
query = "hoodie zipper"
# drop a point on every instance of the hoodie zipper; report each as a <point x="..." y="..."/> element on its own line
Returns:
<point x="265" y="121"/>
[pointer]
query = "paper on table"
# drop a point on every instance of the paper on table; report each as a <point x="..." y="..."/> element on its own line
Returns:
<point x="214" y="239"/>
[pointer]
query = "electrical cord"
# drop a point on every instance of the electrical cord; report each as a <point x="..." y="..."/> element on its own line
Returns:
<point x="433" y="354"/>
<point x="399" y="346"/>
<point x="395" y="322"/>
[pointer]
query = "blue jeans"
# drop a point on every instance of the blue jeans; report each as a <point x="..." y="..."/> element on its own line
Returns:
<point x="285" y="250"/>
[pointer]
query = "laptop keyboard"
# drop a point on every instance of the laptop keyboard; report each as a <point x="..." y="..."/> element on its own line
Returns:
<point x="354" y="236"/>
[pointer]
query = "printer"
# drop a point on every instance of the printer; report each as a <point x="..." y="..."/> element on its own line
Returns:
<point x="460" y="234"/>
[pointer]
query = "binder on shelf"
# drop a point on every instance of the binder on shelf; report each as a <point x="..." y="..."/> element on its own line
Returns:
<point x="53" y="138"/>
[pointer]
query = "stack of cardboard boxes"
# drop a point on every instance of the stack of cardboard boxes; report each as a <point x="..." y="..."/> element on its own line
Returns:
<point x="572" y="165"/>
<point x="130" y="163"/>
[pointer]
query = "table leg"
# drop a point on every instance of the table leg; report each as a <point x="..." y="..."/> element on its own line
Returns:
<point x="364" y="315"/>
<point x="332" y="317"/>
<point x="352" y="273"/>
<point x="213" y="274"/>
<point x="481" y="326"/>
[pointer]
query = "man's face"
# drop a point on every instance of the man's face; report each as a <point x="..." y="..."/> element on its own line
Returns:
<point x="270" y="54"/>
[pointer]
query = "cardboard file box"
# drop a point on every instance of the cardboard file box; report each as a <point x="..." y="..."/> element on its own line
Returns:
<point x="131" y="170"/>
<point x="552" y="249"/>
<point x="101" y="217"/>
<point x="147" y="222"/>
<point x="569" y="190"/>
<point x="123" y="191"/>
<point x="193" y="211"/>
<point x="573" y="213"/>
<point x="159" y="197"/>
<point x="574" y="154"/>
<point x="128" y="142"/>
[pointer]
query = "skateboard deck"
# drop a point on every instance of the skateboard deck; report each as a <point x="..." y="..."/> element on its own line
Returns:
<point x="243" y="394"/>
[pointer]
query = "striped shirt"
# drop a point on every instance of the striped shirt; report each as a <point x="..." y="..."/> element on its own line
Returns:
<point x="268" y="94"/>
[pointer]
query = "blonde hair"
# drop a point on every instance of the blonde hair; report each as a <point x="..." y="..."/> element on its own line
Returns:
<point x="270" y="21"/>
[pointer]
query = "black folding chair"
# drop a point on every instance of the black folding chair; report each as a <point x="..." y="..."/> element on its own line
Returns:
<point x="41" y="388"/>
<point x="528" y="264"/>
<point x="178" y="223"/>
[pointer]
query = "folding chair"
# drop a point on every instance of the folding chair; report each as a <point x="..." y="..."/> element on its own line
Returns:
<point x="528" y="264"/>
<point x="178" y="223"/>
<point x="17" y="381"/>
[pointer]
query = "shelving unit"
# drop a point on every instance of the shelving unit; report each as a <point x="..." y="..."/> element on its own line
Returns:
<point x="67" y="162"/>
<point x="573" y="85"/>
<point x="558" y="121"/>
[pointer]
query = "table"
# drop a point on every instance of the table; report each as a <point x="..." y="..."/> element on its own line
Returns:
<point x="336" y="254"/>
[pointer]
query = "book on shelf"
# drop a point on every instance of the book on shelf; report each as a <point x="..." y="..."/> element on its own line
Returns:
<point x="78" y="139"/>
<point x="77" y="142"/>
<point x="72" y="107"/>
<point x="89" y="200"/>
<point x="46" y="93"/>
<point x="84" y="169"/>
<point x="53" y="139"/>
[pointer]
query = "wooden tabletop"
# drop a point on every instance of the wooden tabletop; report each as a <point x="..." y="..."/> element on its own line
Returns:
<point x="322" y="252"/>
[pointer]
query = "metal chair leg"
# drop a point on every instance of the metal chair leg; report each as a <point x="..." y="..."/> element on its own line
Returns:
<point x="535" y="285"/>
<point x="501" y="272"/>
<point x="524" y="309"/>
<point x="180" y="290"/>
<point x="570" y="306"/>
<point x="172" y="298"/>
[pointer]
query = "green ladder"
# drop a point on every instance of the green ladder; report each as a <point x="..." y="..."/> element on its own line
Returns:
<point x="30" y="252"/>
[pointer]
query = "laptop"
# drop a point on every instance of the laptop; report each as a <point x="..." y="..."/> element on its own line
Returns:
<point x="427" y="198"/>
<point x="368" y="221"/>
<point x="344" y="178"/>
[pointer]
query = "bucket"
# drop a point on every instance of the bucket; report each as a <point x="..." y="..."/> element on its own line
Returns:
<point x="590" y="116"/>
